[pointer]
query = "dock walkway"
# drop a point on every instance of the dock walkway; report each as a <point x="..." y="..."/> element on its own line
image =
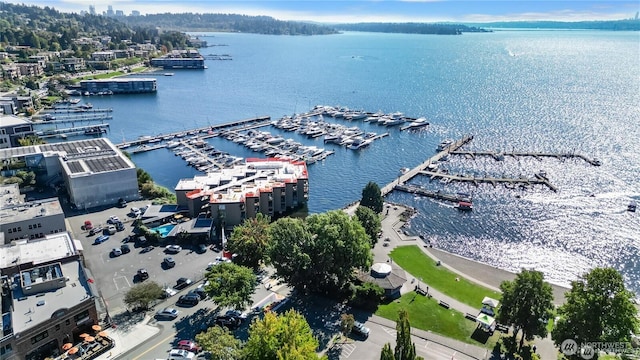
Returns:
<point x="499" y="155"/>
<point x="416" y="170"/>
<point x="432" y="194"/>
<point x="538" y="180"/>
<point x="239" y="124"/>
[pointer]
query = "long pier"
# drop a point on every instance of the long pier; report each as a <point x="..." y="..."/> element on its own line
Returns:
<point x="78" y="130"/>
<point x="432" y="194"/>
<point x="537" y="180"/>
<point x="240" y="124"/>
<point x="403" y="178"/>
<point x="500" y="155"/>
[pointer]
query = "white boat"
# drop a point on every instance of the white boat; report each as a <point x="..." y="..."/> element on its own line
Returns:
<point x="632" y="206"/>
<point x="173" y="144"/>
<point x="359" y="142"/>
<point x="393" y="122"/>
<point x="444" y="144"/>
<point x="416" y="124"/>
<point x="168" y="74"/>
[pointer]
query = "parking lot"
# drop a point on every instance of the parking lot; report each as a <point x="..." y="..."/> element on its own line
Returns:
<point x="114" y="276"/>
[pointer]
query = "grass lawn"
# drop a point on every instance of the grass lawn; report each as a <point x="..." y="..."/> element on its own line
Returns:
<point x="426" y="314"/>
<point x="421" y="266"/>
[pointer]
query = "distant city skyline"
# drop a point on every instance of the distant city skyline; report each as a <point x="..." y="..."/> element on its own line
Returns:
<point x="369" y="10"/>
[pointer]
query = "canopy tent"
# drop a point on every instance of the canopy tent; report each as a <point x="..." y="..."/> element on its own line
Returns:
<point x="487" y="322"/>
<point x="490" y="302"/>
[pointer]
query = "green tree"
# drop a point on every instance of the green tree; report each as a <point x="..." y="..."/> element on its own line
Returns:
<point x="405" y="349"/>
<point x="339" y="246"/>
<point x="598" y="308"/>
<point x="249" y="240"/>
<point x="289" y="250"/>
<point x="387" y="353"/>
<point x="141" y="295"/>
<point x="143" y="176"/>
<point x="231" y="285"/>
<point x="372" y="197"/>
<point x="280" y="337"/>
<point x="221" y="344"/>
<point x="28" y="177"/>
<point x="346" y="324"/>
<point x="527" y="304"/>
<point x="370" y="221"/>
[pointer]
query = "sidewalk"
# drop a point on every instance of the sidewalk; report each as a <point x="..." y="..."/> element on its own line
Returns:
<point x="128" y="337"/>
<point x="484" y="275"/>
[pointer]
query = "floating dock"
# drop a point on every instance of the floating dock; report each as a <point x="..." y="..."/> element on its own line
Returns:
<point x="403" y="178"/>
<point x="538" y="155"/>
<point x="432" y="194"/>
<point x="238" y="125"/>
<point x="537" y="180"/>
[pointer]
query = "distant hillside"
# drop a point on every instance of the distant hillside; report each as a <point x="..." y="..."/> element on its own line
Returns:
<point x="228" y="23"/>
<point x="614" y="25"/>
<point x="410" y="28"/>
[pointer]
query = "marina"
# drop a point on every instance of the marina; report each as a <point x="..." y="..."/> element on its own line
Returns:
<point x="510" y="183"/>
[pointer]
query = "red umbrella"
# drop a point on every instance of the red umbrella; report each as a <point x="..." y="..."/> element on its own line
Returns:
<point x="73" y="350"/>
<point x="67" y="346"/>
<point x="96" y="327"/>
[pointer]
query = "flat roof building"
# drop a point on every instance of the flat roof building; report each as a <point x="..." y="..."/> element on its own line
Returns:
<point x="13" y="128"/>
<point x="229" y="196"/>
<point x="93" y="171"/>
<point x="119" y="85"/>
<point x="28" y="220"/>
<point x="47" y="297"/>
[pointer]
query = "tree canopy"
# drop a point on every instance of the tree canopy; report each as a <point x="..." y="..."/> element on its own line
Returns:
<point x="372" y="197"/>
<point x="279" y="337"/>
<point x="405" y="349"/>
<point x="140" y="295"/>
<point x="527" y="304"/>
<point x="220" y="343"/>
<point x="250" y="240"/>
<point x="371" y="223"/>
<point x="319" y="254"/>
<point x="231" y="285"/>
<point x="598" y="308"/>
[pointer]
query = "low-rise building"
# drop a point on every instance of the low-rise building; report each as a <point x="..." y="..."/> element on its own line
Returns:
<point x="119" y="85"/>
<point x="10" y="72"/>
<point x="73" y="64"/>
<point x="103" y="56"/>
<point x="94" y="172"/>
<point x="229" y="196"/>
<point x="20" y="219"/>
<point x="12" y="127"/>
<point x="30" y="69"/>
<point x="47" y="297"/>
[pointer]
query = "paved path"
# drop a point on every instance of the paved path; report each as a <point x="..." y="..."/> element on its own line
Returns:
<point x="483" y="274"/>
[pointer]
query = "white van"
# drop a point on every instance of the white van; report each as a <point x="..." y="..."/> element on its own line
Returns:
<point x="176" y="354"/>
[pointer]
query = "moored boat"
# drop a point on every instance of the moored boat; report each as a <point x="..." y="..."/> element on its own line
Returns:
<point x="464" y="206"/>
<point x="632" y="206"/>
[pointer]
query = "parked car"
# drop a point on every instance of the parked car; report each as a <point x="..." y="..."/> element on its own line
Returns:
<point x="109" y="230"/>
<point x="360" y="330"/>
<point x="188" y="300"/>
<point x="95" y="230"/>
<point x="168" y="292"/>
<point x="201" y="248"/>
<point x="141" y="241"/>
<point x="100" y="239"/>
<point x="146" y="249"/>
<point x="116" y="252"/>
<point x="182" y="283"/>
<point x="240" y="316"/>
<point x="142" y="274"/>
<point x="229" y="322"/>
<point x="189" y="346"/>
<point x="135" y="212"/>
<point x="122" y="203"/>
<point x="169" y="262"/>
<point x="167" y="313"/>
<point x="125" y="248"/>
<point x="88" y="225"/>
<point x="113" y="219"/>
<point x="173" y="249"/>
<point x="178" y="354"/>
<point x="119" y="226"/>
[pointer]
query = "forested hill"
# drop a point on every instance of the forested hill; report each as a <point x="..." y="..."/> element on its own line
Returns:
<point x="229" y="23"/>
<point x="619" y="25"/>
<point x="48" y="29"/>
<point x="410" y="28"/>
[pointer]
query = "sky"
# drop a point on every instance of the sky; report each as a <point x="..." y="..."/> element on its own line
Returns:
<point x="372" y="10"/>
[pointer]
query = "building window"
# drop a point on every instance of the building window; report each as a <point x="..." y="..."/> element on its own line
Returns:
<point x="81" y="316"/>
<point x="43" y="335"/>
<point x="9" y="230"/>
<point x="5" y="349"/>
<point x="68" y="322"/>
<point x="30" y="227"/>
<point x="19" y="228"/>
<point x="39" y="225"/>
<point x="57" y="327"/>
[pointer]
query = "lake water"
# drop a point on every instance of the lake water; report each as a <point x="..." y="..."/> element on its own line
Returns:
<point x="544" y="91"/>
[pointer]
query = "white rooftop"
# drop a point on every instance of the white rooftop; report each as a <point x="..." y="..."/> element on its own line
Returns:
<point x="12" y="120"/>
<point x="37" y="251"/>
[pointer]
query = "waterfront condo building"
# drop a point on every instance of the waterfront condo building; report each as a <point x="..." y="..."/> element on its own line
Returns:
<point x="229" y="196"/>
